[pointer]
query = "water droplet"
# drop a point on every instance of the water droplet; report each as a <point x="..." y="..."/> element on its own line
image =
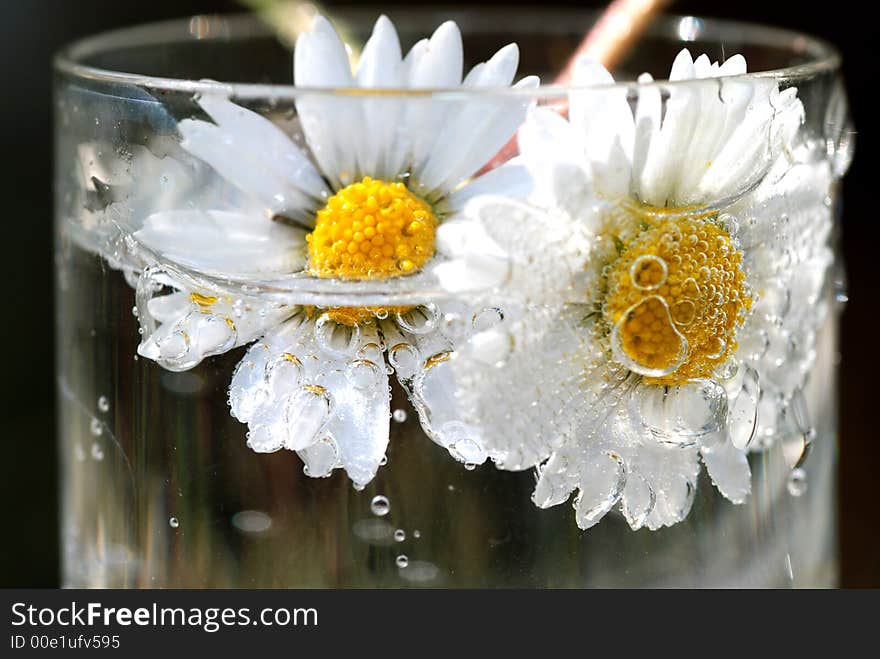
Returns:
<point x="470" y="466"/>
<point x="96" y="427"/>
<point x="400" y="535"/>
<point x="797" y="482"/>
<point x="103" y="404"/>
<point x="173" y="522"/>
<point x="399" y="415"/>
<point x="402" y="561"/>
<point x="380" y="505"/>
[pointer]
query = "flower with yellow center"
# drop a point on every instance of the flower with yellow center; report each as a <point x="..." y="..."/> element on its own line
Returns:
<point x="640" y="353"/>
<point x="353" y="205"/>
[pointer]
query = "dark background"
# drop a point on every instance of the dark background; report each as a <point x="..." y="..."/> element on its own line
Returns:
<point x="31" y="30"/>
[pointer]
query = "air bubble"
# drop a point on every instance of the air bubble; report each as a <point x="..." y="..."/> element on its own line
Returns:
<point x="400" y="535"/>
<point x="797" y="482"/>
<point x="173" y="522"/>
<point x="487" y="319"/>
<point x="402" y="561"/>
<point x="399" y="415"/>
<point x="417" y="534"/>
<point x="418" y="320"/>
<point x="380" y="505"/>
<point x="683" y="312"/>
<point x="103" y="404"/>
<point x="648" y="272"/>
<point x="97" y="452"/>
<point x="716" y="348"/>
<point x="96" y="427"/>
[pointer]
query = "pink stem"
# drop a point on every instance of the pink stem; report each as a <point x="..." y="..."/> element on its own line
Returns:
<point x="606" y="42"/>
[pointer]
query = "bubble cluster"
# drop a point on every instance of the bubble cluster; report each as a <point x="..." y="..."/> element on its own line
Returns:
<point x="372" y="230"/>
<point x="353" y="316"/>
<point x="676" y="295"/>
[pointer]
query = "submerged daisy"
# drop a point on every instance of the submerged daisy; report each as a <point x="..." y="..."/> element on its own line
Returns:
<point x="688" y="241"/>
<point x="357" y="219"/>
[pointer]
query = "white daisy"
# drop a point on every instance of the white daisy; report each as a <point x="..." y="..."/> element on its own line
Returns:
<point x="370" y="215"/>
<point x="688" y="244"/>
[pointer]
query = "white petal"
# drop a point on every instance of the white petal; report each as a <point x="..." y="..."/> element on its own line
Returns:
<point x="332" y="124"/>
<point x="441" y="62"/>
<point x="476" y="128"/>
<point x="224" y="242"/>
<point x="168" y="307"/>
<point x="600" y="489"/>
<point x="682" y="66"/>
<point x="510" y="179"/>
<point x="647" y="126"/>
<point x="265" y="142"/>
<point x="638" y="500"/>
<point x="553" y="152"/>
<point x="498" y="71"/>
<point x="381" y="66"/>
<point x="300" y="388"/>
<point x="733" y="66"/>
<point x="207" y="325"/>
<point x="321" y="458"/>
<point x="554" y="484"/>
<point x="359" y="426"/>
<point x="547" y="254"/>
<point x="486" y="135"/>
<point x="233" y="157"/>
<point x="381" y="61"/>
<point x="729" y="470"/>
<point x="473" y="261"/>
<point x="605" y="119"/>
<point x="436" y="64"/>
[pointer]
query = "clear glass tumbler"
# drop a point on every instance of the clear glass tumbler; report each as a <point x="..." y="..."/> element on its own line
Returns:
<point x="163" y="487"/>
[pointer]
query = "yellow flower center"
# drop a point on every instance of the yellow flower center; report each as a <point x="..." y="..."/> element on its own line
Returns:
<point x="676" y="295"/>
<point x="372" y="230"/>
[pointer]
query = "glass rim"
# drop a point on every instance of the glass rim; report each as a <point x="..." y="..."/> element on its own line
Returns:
<point x="822" y="56"/>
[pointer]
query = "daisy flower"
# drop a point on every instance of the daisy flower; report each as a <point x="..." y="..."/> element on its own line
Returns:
<point x="358" y="232"/>
<point x="686" y="229"/>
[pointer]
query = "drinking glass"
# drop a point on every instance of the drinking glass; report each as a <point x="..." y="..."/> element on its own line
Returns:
<point x="159" y="487"/>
